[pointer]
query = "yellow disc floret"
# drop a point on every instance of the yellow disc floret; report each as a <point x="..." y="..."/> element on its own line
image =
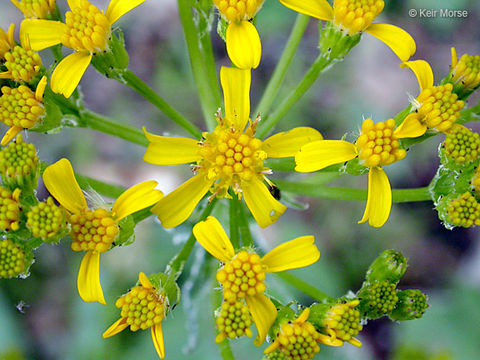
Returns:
<point x="93" y="230"/>
<point x="12" y="260"/>
<point x="461" y="144"/>
<point x="439" y="107"/>
<point x="142" y="307"/>
<point x="354" y="16"/>
<point x="23" y="64"/>
<point x="343" y="322"/>
<point x="88" y="29"/>
<point x="237" y="10"/>
<point x="46" y="220"/>
<point x="243" y="275"/>
<point x="467" y="71"/>
<point x="377" y="144"/>
<point x="18" y="159"/>
<point x="9" y="209"/>
<point x="464" y="211"/>
<point x="20" y="107"/>
<point x="233" y="321"/>
<point x="40" y="9"/>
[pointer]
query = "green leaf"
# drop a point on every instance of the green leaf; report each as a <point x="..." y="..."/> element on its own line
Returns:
<point x="127" y="235"/>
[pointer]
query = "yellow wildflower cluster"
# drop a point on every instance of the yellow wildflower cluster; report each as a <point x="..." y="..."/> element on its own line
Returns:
<point x="466" y="70"/>
<point x="18" y="159"/>
<point x="46" y="220"/>
<point x="461" y="144"/>
<point x="234" y="321"/>
<point x="12" y="259"/>
<point x="464" y="211"/>
<point x="343" y="322"/>
<point x="356" y="15"/>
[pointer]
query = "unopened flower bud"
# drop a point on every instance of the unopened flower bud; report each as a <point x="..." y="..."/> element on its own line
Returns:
<point x="12" y="260"/>
<point x="411" y="305"/>
<point x="47" y="221"/>
<point x="377" y="299"/>
<point x="390" y="265"/>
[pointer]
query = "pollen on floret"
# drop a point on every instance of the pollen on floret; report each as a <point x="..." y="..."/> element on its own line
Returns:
<point x="12" y="260"/>
<point x="464" y="211"/>
<point x="20" y="107"/>
<point x="142" y="308"/>
<point x="354" y="16"/>
<point x="237" y="10"/>
<point x="40" y="9"/>
<point x="439" y="107"/>
<point x="9" y="209"/>
<point x="467" y="71"/>
<point x="243" y="276"/>
<point x="378" y="144"/>
<point x="233" y="321"/>
<point x="22" y="64"/>
<point x="343" y="322"/>
<point x="88" y="28"/>
<point x="46" y="220"/>
<point x="94" y="230"/>
<point x="461" y="144"/>
<point x="18" y="159"/>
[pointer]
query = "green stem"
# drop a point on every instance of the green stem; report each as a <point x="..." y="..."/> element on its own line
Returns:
<point x="206" y="46"/>
<point x="282" y="66"/>
<point x="201" y="65"/>
<point x="233" y="215"/>
<point x="245" y="233"/>
<point x="304" y="287"/>
<point x="137" y="84"/>
<point x="341" y="193"/>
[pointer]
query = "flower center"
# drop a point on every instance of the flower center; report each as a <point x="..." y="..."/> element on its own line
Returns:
<point x="19" y="107"/>
<point x="378" y="145"/>
<point x="382" y="297"/>
<point x="355" y="16"/>
<point x="467" y="71"/>
<point x="12" y="260"/>
<point x="88" y="29"/>
<point x="440" y="107"/>
<point x="142" y="308"/>
<point x="234" y="321"/>
<point x="343" y="321"/>
<point x="461" y="144"/>
<point x="23" y="64"/>
<point x="237" y="10"/>
<point x="298" y="340"/>
<point x="93" y="230"/>
<point x="9" y="209"/>
<point x="45" y="220"/>
<point x="243" y="276"/>
<point x="18" y="159"/>
<point x="36" y="8"/>
<point x="230" y="156"/>
<point x="464" y="211"/>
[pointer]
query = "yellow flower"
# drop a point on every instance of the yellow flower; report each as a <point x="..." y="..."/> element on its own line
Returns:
<point x="242" y="275"/>
<point x="86" y="30"/>
<point x="355" y="16"/>
<point x="230" y="156"/>
<point x="466" y="70"/>
<point x="376" y="146"/>
<point x="10" y="209"/>
<point x="94" y="230"/>
<point x="148" y="312"/>
<point x="464" y="211"/>
<point x="437" y="107"/>
<point x="243" y="42"/>
<point x="40" y="9"/>
<point x="342" y="323"/>
<point x="22" y="63"/>
<point x="12" y="260"/>
<point x="21" y="108"/>
<point x="462" y="145"/>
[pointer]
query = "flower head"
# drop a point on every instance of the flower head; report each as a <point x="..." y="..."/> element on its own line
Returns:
<point x="461" y="145"/>
<point x="243" y="273"/>
<point x="40" y="9"/>
<point x="466" y="70"/>
<point x="376" y="146"/>
<point x="142" y="307"/>
<point x="233" y="321"/>
<point x="94" y="230"/>
<point x="230" y="157"/>
<point x="9" y="209"/>
<point x="46" y="220"/>
<point x="355" y="16"/>
<point x="378" y="299"/>
<point x="86" y="30"/>
<point x="18" y="162"/>
<point x="342" y="322"/>
<point x="412" y="304"/>
<point x="464" y="211"/>
<point x="12" y="260"/>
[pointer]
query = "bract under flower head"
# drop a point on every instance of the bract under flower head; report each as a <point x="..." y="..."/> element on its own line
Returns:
<point x="40" y="9"/>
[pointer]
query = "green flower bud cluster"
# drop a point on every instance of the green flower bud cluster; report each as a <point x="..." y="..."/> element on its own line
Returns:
<point x="378" y="299"/>
<point x="276" y="355"/>
<point x="390" y="265"/>
<point x="464" y="211"/>
<point x="46" y="221"/>
<point x="12" y="259"/>
<point x="411" y="305"/>
<point x="233" y="321"/>
<point x="461" y="145"/>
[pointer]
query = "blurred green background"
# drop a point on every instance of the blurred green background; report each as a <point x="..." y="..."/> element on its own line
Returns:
<point x="42" y="317"/>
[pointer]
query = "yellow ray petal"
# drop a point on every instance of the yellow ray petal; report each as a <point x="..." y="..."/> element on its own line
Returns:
<point x="454" y="57"/>
<point x="319" y="9"/>
<point x="411" y="127"/>
<point x="41" y="34"/>
<point x="117" y="8"/>
<point x="42" y="84"/>
<point x="293" y="254"/>
<point x="286" y="144"/>
<point x="212" y="237"/>
<point x="10" y="134"/>
<point x="263" y="313"/>
<point x="422" y="71"/>
<point x="263" y="206"/>
<point x="243" y="45"/>
<point x="165" y="150"/>
<point x="136" y="198"/>
<point x="157" y="338"/>
<point x="69" y="72"/>
<point x="397" y="39"/>
<point x="117" y="326"/>
<point x="379" y="200"/>
<point x="236" y="93"/>
<point x="177" y="206"/>
<point x="60" y="181"/>
<point x="145" y="281"/>
<point x="88" y="280"/>
<point x="320" y="154"/>
<point x="73" y="4"/>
